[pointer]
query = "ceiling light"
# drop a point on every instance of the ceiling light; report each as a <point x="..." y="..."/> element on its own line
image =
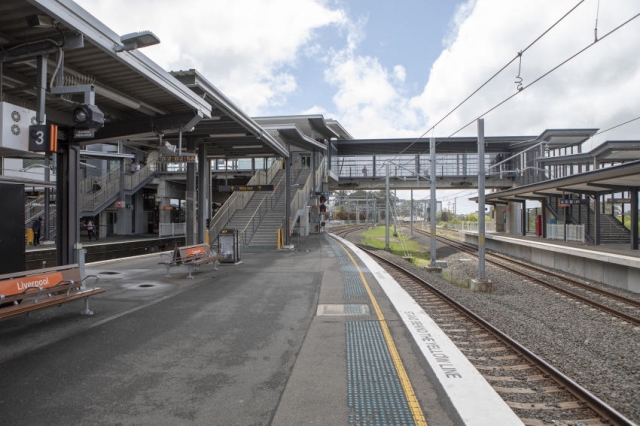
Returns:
<point x="40" y="21"/>
<point x="246" y="146"/>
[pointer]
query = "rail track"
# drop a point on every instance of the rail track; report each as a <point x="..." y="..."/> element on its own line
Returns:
<point x="607" y="301"/>
<point x="536" y="391"/>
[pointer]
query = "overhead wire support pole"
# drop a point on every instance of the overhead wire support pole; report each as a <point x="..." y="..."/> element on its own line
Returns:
<point x="481" y="224"/>
<point x="386" y="214"/>
<point x="434" y="201"/>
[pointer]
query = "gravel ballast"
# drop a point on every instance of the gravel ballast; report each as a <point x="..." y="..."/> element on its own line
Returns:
<point x="593" y="348"/>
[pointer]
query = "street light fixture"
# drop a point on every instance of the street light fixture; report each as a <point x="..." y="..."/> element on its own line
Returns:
<point x="137" y="40"/>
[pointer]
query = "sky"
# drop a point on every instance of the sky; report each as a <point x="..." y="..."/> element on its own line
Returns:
<point x="388" y="69"/>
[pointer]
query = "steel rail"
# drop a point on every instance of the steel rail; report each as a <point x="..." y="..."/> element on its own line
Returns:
<point x="596" y="404"/>
<point x="622" y="315"/>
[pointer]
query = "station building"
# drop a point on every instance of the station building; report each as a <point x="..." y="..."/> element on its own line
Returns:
<point x="93" y="129"/>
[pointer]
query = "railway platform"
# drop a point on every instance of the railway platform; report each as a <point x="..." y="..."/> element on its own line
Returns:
<point x="615" y="265"/>
<point x="315" y="335"/>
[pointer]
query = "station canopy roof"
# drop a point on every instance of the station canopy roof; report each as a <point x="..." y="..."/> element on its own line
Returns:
<point x="142" y="103"/>
<point x="618" y="178"/>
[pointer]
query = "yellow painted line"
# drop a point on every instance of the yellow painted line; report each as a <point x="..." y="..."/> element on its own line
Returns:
<point x="414" y="405"/>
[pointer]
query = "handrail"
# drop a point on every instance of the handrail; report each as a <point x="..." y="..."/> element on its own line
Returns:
<point x="33" y="209"/>
<point x="270" y="202"/>
<point x="302" y="196"/>
<point x="134" y="179"/>
<point x="239" y="200"/>
<point x="254" y="222"/>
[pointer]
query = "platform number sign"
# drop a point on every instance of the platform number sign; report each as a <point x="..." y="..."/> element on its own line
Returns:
<point x="43" y="138"/>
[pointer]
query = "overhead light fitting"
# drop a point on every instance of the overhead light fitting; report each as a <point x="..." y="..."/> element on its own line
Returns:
<point x="246" y="146"/>
<point x="40" y="21"/>
<point x="133" y="41"/>
<point x="227" y="135"/>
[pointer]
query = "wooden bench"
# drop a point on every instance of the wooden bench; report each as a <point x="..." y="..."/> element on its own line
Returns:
<point x="190" y="256"/>
<point x="27" y="291"/>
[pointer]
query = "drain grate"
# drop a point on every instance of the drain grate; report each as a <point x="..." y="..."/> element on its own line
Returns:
<point x="375" y="394"/>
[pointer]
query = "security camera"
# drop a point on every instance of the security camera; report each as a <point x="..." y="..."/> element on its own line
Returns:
<point x="87" y="116"/>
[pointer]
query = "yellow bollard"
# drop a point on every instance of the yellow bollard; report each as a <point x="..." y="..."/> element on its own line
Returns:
<point x="29" y="236"/>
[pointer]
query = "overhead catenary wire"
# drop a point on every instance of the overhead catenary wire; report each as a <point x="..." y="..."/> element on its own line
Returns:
<point x="616" y="126"/>
<point x="544" y="75"/>
<point x="518" y="56"/>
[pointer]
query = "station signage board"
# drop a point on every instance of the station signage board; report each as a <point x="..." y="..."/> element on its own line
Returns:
<point x="179" y="158"/>
<point x="248" y="188"/>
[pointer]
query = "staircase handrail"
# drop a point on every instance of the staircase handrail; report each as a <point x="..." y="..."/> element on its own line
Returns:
<point x="238" y="200"/>
<point x="86" y="185"/>
<point x="268" y="203"/>
<point x="254" y="221"/>
<point x="92" y="200"/>
<point x="303" y="195"/>
<point x="132" y="180"/>
<point x="33" y="209"/>
<point x="278" y="191"/>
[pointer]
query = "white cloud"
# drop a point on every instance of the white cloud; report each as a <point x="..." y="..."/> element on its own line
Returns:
<point x="593" y="90"/>
<point x="368" y="101"/>
<point x="242" y="46"/>
<point x="251" y="50"/>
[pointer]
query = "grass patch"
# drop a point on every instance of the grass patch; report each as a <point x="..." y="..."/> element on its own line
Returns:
<point x="458" y="282"/>
<point x="376" y="238"/>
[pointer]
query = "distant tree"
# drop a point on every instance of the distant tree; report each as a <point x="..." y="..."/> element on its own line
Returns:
<point x="471" y="217"/>
<point x="342" y="215"/>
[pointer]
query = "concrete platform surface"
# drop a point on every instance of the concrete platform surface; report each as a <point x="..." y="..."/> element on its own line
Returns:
<point x="272" y="340"/>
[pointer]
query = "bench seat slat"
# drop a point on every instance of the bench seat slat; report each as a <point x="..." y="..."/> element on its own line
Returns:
<point x="190" y="256"/>
<point x="29" y="306"/>
<point x="70" y="288"/>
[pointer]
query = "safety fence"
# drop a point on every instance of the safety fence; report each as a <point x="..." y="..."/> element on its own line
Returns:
<point x="172" y="229"/>
<point x="566" y="232"/>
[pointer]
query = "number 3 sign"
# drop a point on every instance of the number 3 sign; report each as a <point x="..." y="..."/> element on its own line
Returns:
<point x="43" y="138"/>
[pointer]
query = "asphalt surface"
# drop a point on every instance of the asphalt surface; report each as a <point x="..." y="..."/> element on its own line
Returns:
<point x="238" y="346"/>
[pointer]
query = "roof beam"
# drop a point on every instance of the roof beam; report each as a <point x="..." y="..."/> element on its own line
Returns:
<point x="144" y="127"/>
<point x="607" y="186"/>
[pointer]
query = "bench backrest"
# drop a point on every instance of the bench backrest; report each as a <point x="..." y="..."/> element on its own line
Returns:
<point x="194" y="252"/>
<point x="18" y="282"/>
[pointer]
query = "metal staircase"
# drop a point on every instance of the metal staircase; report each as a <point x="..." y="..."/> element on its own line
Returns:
<point x="260" y="218"/>
<point x="258" y="222"/>
<point x="93" y="202"/>
<point x="612" y="231"/>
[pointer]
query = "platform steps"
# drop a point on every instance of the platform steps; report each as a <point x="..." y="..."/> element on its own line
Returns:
<point x="266" y="233"/>
<point x="612" y="231"/>
<point x="266" y="222"/>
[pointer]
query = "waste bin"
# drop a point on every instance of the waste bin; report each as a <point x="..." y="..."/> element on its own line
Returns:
<point x="539" y="225"/>
<point x="228" y="246"/>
